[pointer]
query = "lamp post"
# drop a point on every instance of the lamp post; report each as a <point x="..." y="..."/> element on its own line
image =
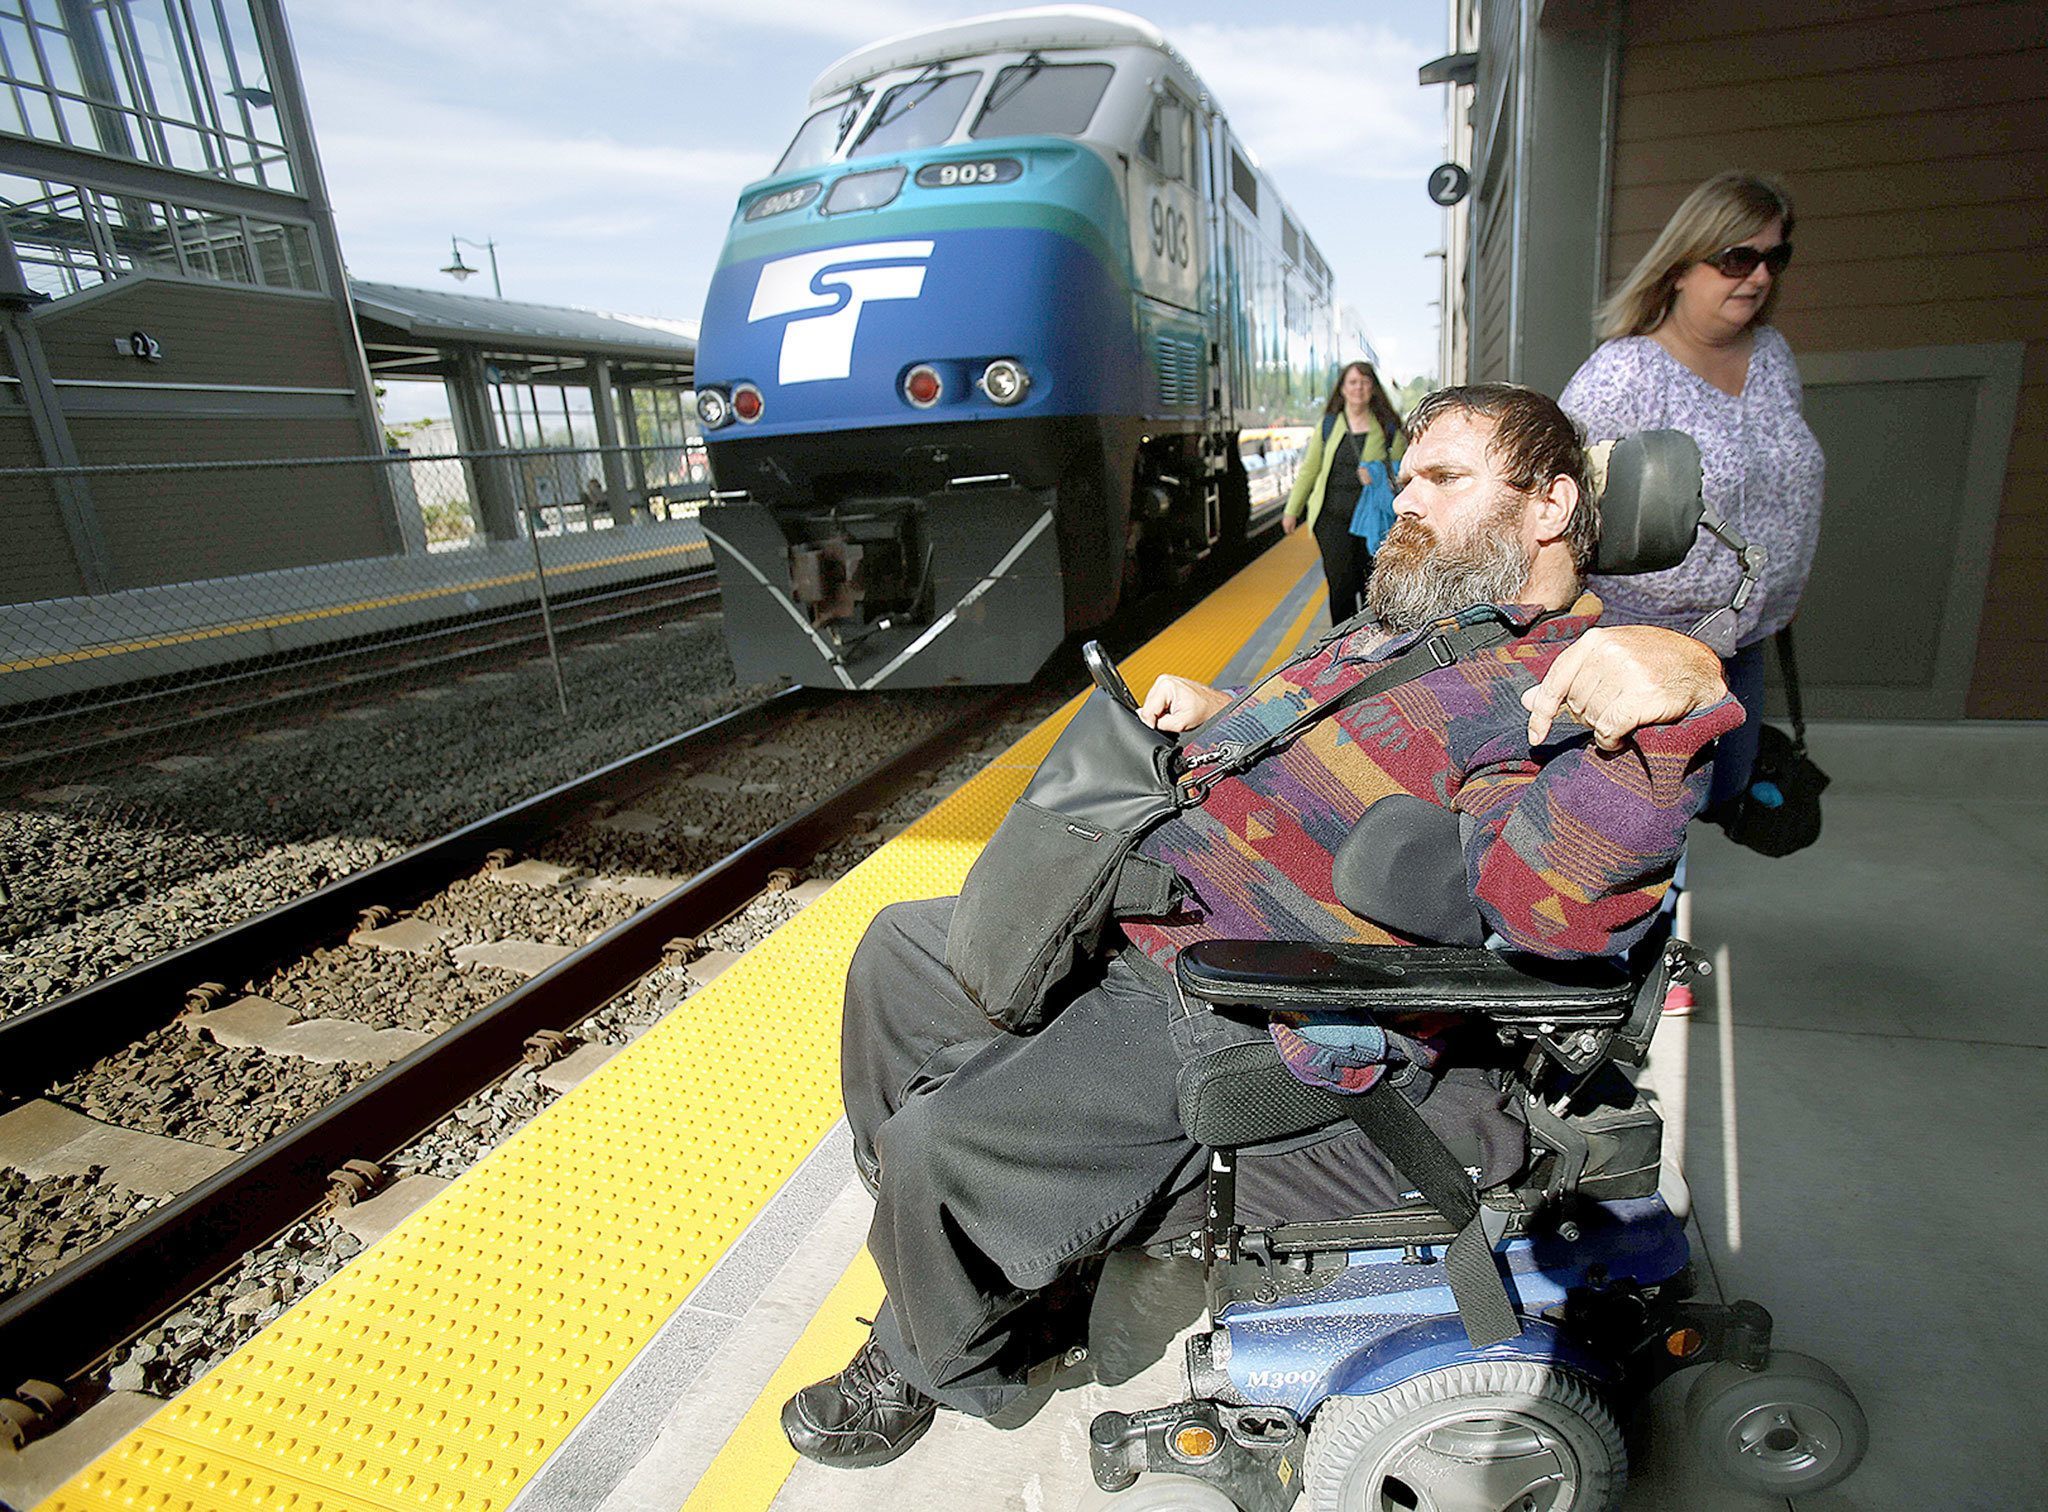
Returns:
<point x="459" y="270"/>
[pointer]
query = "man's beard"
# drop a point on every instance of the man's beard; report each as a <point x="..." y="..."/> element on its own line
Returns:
<point x="1418" y="579"/>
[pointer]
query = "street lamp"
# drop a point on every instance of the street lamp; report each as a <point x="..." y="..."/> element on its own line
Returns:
<point x="459" y="270"/>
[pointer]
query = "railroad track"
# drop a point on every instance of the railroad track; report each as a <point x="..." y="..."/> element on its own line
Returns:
<point x="59" y="1328"/>
<point x="81" y="738"/>
<point x="63" y="1327"/>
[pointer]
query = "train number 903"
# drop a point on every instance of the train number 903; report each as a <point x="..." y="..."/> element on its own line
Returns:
<point x="977" y="171"/>
<point x="1171" y="238"/>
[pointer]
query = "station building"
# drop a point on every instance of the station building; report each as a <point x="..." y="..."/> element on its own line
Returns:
<point x="1911" y="137"/>
<point x="172" y="291"/>
<point x="174" y="306"/>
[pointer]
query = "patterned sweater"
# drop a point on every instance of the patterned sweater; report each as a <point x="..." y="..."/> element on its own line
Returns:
<point x="1572" y="849"/>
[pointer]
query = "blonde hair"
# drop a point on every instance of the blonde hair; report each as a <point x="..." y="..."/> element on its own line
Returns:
<point x="1726" y="209"/>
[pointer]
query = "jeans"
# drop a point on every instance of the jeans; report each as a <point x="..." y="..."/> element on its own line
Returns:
<point x="1735" y="752"/>
<point x="1346" y="561"/>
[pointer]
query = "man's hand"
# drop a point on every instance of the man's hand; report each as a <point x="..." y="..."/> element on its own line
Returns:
<point x="1616" y="679"/>
<point x="1176" y="704"/>
<point x="1288" y="523"/>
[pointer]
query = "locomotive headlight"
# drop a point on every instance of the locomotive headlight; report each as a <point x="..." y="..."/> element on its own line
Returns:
<point x="1004" y="381"/>
<point x="922" y="385"/>
<point x="746" y="403"/>
<point x="713" y="408"/>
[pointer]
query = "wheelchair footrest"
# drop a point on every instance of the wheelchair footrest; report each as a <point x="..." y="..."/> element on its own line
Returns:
<point x="1251" y="1454"/>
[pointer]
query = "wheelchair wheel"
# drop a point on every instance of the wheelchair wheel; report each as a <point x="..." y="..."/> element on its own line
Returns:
<point x="1502" y="1435"/>
<point x="1790" y="1429"/>
<point x="1158" y="1493"/>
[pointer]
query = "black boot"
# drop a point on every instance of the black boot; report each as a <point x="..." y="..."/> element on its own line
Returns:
<point x="865" y="1415"/>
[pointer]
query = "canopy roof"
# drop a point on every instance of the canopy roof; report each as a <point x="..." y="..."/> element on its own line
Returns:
<point x="412" y="333"/>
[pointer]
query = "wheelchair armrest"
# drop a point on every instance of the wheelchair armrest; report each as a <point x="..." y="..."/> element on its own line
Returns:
<point x="1271" y="976"/>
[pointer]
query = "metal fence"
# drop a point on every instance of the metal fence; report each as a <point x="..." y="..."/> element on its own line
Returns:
<point x="124" y="578"/>
<point x="218" y="664"/>
<point x="159" y="622"/>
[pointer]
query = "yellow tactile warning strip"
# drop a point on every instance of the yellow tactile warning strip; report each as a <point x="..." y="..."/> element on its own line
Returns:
<point x="444" y="1366"/>
<point x="332" y="611"/>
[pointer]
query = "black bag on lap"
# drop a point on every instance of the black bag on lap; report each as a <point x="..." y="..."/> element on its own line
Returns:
<point x="1062" y="867"/>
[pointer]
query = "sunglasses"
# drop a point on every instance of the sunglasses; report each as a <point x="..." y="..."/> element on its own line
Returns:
<point x="1740" y="262"/>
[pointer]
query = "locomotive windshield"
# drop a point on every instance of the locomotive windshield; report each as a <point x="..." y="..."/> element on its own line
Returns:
<point x="1036" y="98"/>
<point x="921" y="113"/>
<point x="819" y="137"/>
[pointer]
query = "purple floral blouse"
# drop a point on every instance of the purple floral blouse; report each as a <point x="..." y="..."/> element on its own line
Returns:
<point x="1762" y="466"/>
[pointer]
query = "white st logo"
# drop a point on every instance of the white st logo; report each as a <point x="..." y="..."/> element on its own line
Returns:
<point x="821" y="346"/>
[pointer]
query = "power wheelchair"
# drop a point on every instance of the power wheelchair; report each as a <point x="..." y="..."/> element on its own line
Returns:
<point x="1466" y="1351"/>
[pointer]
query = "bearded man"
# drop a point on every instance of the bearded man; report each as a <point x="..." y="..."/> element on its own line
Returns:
<point x="1005" y="1166"/>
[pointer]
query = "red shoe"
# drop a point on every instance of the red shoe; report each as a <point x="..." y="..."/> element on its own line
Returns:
<point x="1679" y="1001"/>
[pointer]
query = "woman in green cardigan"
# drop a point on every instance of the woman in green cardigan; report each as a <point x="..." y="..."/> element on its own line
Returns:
<point x="1355" y="430"/>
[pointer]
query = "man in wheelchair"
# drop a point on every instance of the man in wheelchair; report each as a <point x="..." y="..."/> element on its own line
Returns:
<point x="1533" y="795"/>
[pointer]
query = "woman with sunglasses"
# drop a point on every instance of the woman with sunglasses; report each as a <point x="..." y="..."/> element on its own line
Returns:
<point x="1687" y="343"/>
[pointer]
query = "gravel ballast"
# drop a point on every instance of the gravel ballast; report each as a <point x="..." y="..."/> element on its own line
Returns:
<point x="152" y="860"/>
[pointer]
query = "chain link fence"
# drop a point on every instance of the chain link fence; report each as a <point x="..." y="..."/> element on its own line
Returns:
<point x="225" y="683"/>
<point x="324" y="660"/>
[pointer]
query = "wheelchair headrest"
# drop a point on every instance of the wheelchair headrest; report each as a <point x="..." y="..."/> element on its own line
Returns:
<point x="1650" y="500"/>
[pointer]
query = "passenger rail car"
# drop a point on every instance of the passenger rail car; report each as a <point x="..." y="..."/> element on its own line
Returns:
<point x="977" y="353"/>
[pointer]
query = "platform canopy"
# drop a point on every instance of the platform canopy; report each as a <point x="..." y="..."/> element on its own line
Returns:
<point x="422" y="333"/>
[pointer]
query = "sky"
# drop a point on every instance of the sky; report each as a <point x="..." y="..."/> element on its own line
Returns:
<point x="602" y="144"/>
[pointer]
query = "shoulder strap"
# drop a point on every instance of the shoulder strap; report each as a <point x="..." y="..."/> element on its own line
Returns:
<point x="1448" y="642"/>
<point x="1790" y="667"/>
<point x="1398" y="1132"/>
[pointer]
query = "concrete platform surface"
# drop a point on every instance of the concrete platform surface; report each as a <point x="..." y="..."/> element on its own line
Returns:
<point x="1858" y="1105"/>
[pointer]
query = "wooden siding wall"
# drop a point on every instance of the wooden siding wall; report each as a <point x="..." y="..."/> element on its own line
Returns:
<point x="210" y="333"/>
<point x="175" y="527"/>
<point x="35" y="553"/>
<point x="1490" y="271"/>
<point x="1914" y="139"/>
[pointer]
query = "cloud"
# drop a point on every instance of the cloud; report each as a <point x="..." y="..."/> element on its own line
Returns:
<point x="1340" y="99"/>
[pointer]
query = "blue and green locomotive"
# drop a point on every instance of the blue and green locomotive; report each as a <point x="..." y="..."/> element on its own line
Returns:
<point x="977" y="353"/>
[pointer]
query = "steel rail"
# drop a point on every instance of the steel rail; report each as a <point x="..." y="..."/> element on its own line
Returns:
<point x="63" y="1325"/>
<point x="59" y="1039"/>
<point x="29" y="715"/>
<point x="105" y="745"/>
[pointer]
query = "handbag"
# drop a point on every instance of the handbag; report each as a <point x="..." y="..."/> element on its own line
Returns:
<point x="1062" y="867"/>
<point x="1779" y="812"/>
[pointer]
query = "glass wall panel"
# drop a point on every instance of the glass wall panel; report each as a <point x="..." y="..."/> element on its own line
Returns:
<point x="178" y="83"/>
<point x="69" y="238"/>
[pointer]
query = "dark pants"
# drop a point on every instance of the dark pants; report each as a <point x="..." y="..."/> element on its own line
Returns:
<point x="1005" y="1166"/>
<point x="1346" y="562"/>
<point x="1735" y="752"/>
<point x="992" y="1188"/>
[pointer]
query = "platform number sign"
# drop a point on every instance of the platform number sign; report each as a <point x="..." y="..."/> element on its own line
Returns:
<point x="140" y="345"/>
<point x="1449" y="183"/>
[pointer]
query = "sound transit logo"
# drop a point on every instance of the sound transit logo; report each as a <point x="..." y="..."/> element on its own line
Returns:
<point x="840" y="282"/>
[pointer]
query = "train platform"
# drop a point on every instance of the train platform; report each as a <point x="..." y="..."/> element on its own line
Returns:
<point x="608" y="1311"/>
<point x="54" y="648"/>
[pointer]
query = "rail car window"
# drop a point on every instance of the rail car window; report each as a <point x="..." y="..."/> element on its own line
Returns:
<point x="1036" y="98"/>
<point x="1168" y="142"/>
<point x="921" y="113"/>
<point x="819" y="137"/>
<point x="1243" y="182"/>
